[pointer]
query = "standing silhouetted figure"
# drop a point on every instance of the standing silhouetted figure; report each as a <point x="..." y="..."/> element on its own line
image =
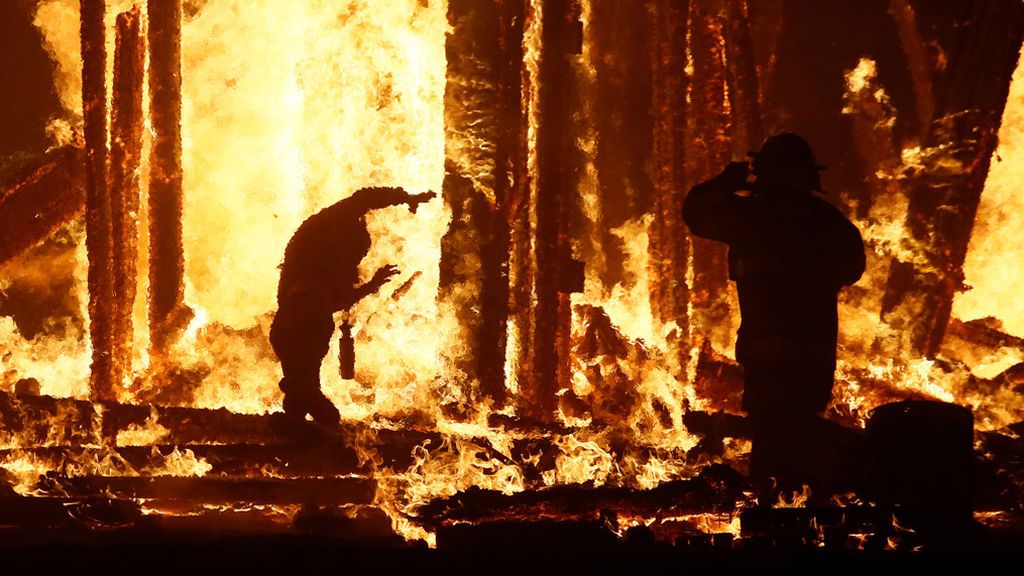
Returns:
<point x="320" y="276"/>
<point x="790" y="252"/>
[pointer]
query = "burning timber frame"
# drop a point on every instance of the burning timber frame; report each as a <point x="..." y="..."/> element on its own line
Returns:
<point x="676" y="89"/>
<point x="113" y="188"/>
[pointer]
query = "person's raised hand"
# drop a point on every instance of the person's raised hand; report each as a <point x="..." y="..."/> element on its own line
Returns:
<point x="416" y="199"/>
<point x="383" y="275"/>
<point x="735" y="175"/>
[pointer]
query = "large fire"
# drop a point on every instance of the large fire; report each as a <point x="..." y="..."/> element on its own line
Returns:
<point x="288" y="107"/>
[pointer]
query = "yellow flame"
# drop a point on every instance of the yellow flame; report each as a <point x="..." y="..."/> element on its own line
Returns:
<point x="993" y="268"/>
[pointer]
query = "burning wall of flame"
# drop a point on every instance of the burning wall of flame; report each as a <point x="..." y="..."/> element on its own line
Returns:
<point x="334" y="97"/>
<point x="993" y="268"/>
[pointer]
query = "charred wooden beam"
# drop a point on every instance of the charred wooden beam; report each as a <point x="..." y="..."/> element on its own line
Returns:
<point x="279" y="461"/>
<point x="766" y="20"/>
<point x="944" y="198"/>
<point x="201" y="519"/>
<point x="534" y="535"/>
<point x="127" y="119"/>
<point x="167" y="313"/>
<point x="37" y="421"/>
<point x="717" y="488"/>
<point x="741" y="78"/>
<point x="350" y="522"/>
<point x="41" y="198"/>
<point x="53" y="513"/>
<point x="984" y="333"/>
<point x="482" y="112"/>
<point x="218" y="489"/>
<point x="668" y="246"/>
<point x="709" y="149"/>
<point x="916" y="52"/>
<point x="519" y="215"/>
<point x="98" y="234"/>
<point x="615" y="89"/>
<point x="544" y="370"/>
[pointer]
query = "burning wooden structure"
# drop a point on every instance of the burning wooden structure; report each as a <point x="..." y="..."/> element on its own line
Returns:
<point x="561" y="340"/>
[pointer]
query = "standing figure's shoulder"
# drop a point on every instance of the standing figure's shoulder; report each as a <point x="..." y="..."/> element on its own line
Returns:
<point x="828" y="211"/>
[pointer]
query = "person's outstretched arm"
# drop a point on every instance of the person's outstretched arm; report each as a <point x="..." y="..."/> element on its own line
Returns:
<point x="374" y="198"/>
<point x="712" y="209"/>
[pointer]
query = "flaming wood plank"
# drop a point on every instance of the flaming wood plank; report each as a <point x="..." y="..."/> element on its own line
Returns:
<point x="669" y="247"/>
<point x="545" y="369"/>
<point x="983" y="334"/>
<point x="41" y="421"/>
<point x="709" y="148"/>
<point x="322" y="491"/>
<point x="620" y="97"/>
<point x="125" y="157"/>
<point x="280" y="461"/>
<point x="717" y="488"/>
<point x="167" y="312"/>
<point x="98" y="236"/>
<point x="56" y="513"/>
<point x="482" y="109"/>
<point x="40" y="198"/>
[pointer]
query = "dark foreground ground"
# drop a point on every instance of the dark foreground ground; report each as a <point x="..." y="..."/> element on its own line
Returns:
<point x="537" y="550"/>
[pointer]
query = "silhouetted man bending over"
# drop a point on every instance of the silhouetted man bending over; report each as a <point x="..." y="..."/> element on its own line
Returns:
<point x="320" y="276"/>
<point x="790" y="252"/>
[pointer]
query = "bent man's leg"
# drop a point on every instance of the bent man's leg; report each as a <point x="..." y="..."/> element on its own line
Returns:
<point x="301" y="339"/>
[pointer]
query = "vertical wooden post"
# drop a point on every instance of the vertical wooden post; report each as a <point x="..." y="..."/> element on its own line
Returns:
<point x="97" y="213"/>
<point x="668" y="234"/>
<point x="742" y="79"/>
<point x="518" y="212"/>
<point x="543" y="360"/>
<point x="620" y="97"/>
<point x="709" y="126"/>
<point x="127" y="120"/>
<point x="482" y="112"/>
<point x="167" y="311"/>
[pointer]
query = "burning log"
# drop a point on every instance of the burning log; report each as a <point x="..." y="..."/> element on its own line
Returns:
<point x="985" y="332"/>
<point x="220" y="489"/>
<point x="127" y="120"/>
<point x="40" y="198"/>
<point x="98" y="226"/>
<point x="944" y="199"/>
<point x="482" y="109"/>
<point x="717" y="488"/>
<point x="168" y="313"/>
